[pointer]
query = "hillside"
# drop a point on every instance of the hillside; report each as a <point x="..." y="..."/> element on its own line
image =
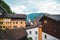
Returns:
<point x="5" y="6"/>
<point x="32" y="16"/>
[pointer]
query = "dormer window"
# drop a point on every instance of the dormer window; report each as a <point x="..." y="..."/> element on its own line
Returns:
<point x="45" y="21"/>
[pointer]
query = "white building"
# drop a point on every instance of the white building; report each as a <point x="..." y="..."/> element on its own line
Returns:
<point x="32" y="32"/>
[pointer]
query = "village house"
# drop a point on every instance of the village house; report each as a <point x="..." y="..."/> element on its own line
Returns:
<point x="50" y="26"/>
<point x="33" y="31"/>
<point x="10" y="21"/>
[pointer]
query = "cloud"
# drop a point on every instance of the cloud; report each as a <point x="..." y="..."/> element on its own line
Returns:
<point x="19" y="9"/>
<point x="56" y="9"/>
<point x="47" y="6"/>
<point x="32" y="6"/>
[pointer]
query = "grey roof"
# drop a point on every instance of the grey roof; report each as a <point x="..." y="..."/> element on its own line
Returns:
<point x="38" y="18"/>
<point x="14" y="34"/>
<point x="33" y="26"/>
<point x="55" y="17"/>
<point x="13" y="16"/>
<point x="30" y="27"/>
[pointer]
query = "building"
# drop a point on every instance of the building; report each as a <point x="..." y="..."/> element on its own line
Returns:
<point x="32" y="32"/>
<point x="9" y="21"/>
<point x="13" y="34"/>
<point x="50" y="26"/>
<point x="12" y="21"/>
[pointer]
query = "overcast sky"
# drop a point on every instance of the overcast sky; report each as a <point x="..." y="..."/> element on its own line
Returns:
<point x="34" y="6"/>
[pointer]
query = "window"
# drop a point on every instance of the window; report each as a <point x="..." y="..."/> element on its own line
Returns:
<point x="16" y="22"/>
<point x="21" y="22"/>
<point x="7" y="26"/>
<point x="13" y="22"/>
<point x="45" y="21"/>
<point x="45" y="36"/>
<point x="8" y="22"/>
<point x="14" y="26"/>
<point x="29" y="32"/>
<point x="0" y="26"/>
<point x="3" y="26"/>
<point x="10" y="26"/>
<point x="36" y="32"/>
<point x="1" y="22"/>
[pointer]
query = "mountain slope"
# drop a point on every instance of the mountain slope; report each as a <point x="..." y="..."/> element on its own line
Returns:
<point x="32" y="16"/>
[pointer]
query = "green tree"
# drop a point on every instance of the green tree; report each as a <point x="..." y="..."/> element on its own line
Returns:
<point x="5" y="6"/>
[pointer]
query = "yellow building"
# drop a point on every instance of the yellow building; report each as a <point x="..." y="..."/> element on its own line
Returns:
<point x="10" y="21"/>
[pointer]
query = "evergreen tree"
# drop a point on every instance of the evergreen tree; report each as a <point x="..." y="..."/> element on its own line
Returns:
<point x="5" y="6"/>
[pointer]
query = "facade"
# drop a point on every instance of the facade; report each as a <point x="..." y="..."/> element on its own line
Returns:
<point x="32" y="32"/>
<point x="13" y="21"/>
<point x="4" y="23"/>
<point x="50" y="27"/>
